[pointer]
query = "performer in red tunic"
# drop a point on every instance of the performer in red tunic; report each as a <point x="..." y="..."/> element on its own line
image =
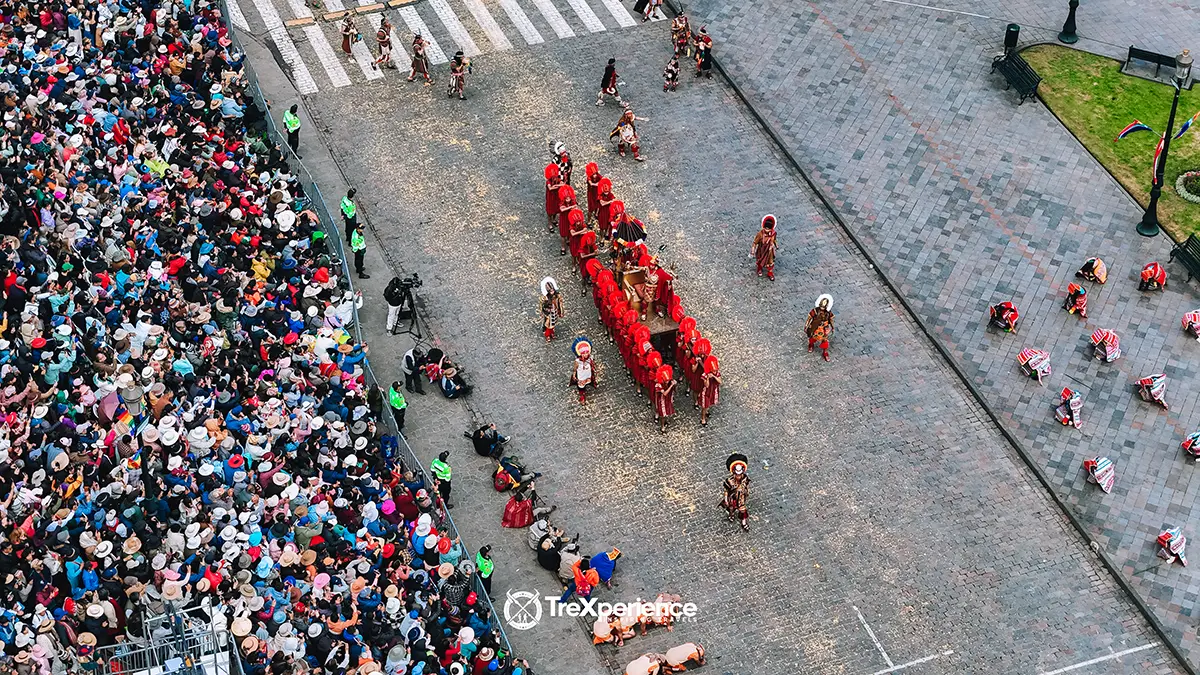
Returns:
<point x="566" y="202"/>
<point x="764" y="247"/>
<point x="710" y="392"/>
<point x="686" y="325"/>
<point x="664" y="397"/>
<point x="586" y="254"/>
<point x="553" y="183"/>
<point x="592" y="173"/>
<point x="604" y="200"/>
<point x="577" y="226"/>
<point x="701" y="348"/>
<point x="650" y="362"/>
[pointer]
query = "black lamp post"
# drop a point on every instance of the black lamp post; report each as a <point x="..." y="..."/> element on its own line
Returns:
<point x="1068" y="35"/>
<point x="1149" y="225"/>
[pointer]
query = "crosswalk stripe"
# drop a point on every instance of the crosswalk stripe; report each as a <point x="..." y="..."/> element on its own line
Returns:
<point x="329" y="60"/>
<point x="365" y="59"/>
<point x="305" y="83"/>
<point x="416" y="25"/>
<point x="453" y="26"/>
<point x="618" y="11"/>
<point x="399" y="56"/>
<point x="586" y="15"/>
<point x="334" y="6"/>
<point x="484" y="18"/>
<point x="658" y="15"/>
<point x="550" y="13"/>
<point x="237" y="17"/>
<point x="522" y="22"/>
<point x="300" y="10"/>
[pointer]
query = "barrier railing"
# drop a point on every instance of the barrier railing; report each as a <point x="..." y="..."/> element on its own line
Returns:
<point x="334" y="241"/>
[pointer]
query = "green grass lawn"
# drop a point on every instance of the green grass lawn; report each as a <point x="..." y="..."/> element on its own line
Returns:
<point x="1091" y="96"/>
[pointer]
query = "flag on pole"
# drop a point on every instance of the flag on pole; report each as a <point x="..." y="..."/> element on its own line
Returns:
<point x="1157" y="151"/>
<point x="1133" y="126"/>
<point x="1187" y="124"/>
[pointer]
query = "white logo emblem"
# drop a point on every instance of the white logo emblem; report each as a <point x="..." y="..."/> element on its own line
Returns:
<point x="522" y="609"/>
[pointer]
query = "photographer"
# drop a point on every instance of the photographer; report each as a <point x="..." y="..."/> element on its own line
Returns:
<point x="394" y="295"/>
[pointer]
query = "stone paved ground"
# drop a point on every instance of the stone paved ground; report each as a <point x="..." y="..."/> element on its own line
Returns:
<point x="968" y="199"/>
<point x="880" y="487"/>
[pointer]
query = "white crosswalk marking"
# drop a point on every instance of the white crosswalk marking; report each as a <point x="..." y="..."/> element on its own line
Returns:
<point x="453" y="26"/>
<point x="365" y="59"/>
<point x="399" y="56"/>
<point x="550" y="13"/>
<point x="586" y="15"/>
<point x="236" y="16"/>
<point x="416" y="25"/>
<point x="658" y="15"/>
<point x="300" y="9"/>
<point x="329" y="60"/>
<point x="618" y="11"/>
<point x="287" y="49"/>
<point x="334" y="6"/>
<point x="484" y="18"/>
<point x="517" y="16"/>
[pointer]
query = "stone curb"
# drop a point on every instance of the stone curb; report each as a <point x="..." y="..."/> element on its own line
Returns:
<point x="1112" y="567"/>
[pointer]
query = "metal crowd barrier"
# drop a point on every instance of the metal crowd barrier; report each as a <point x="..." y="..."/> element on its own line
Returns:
<point x="334" y="240"/>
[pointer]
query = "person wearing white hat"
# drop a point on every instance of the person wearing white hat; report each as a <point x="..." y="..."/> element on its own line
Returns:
<point x="819" y="326"/>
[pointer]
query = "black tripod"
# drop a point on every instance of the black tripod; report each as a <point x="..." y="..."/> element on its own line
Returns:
<point x="408" y="308"/>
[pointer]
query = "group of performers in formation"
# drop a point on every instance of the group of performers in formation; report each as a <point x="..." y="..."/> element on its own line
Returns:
<point x="459" y="65"/>
<point x="629" y="289"/>
<point x="1106" y="345"/>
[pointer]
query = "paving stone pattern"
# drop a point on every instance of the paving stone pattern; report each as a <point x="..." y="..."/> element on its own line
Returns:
<point x="878" y="482"/>
<point x="968" y="199"/>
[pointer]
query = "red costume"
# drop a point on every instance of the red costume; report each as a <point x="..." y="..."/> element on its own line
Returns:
<point x="604" y="200"/>
<point x="710" y="392"/>
<point x="592" y="172"/>
<point x="566" y="202"/>
<point x="700" y="349"/>
<point x="553" y="183"/>
<point x="664" y="393"/>
<point x="575" y="221"/>
<point x="1154" y="277"/>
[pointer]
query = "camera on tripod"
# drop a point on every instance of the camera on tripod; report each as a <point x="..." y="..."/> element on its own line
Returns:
<point x="411" y="282"/>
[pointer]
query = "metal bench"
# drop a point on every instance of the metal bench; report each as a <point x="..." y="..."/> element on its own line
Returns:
<point x="1017" y="73"/>
<point x="1188" y="253"/>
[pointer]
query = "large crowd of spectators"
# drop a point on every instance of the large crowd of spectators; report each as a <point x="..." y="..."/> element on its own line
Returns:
<point x="185" y="418"/>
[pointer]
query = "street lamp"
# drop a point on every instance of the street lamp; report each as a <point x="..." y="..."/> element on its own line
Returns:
<point x="1149" y="225"/>
<point x="1068" y="35"/>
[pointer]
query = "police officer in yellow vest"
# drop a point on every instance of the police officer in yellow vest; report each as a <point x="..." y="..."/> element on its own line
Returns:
<point x="397" y="403"/>
<point x="442" y="471"/>
<point x="291" y="122"/>
<point x="349" y="213"/>
<point x="358" y="244"/>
